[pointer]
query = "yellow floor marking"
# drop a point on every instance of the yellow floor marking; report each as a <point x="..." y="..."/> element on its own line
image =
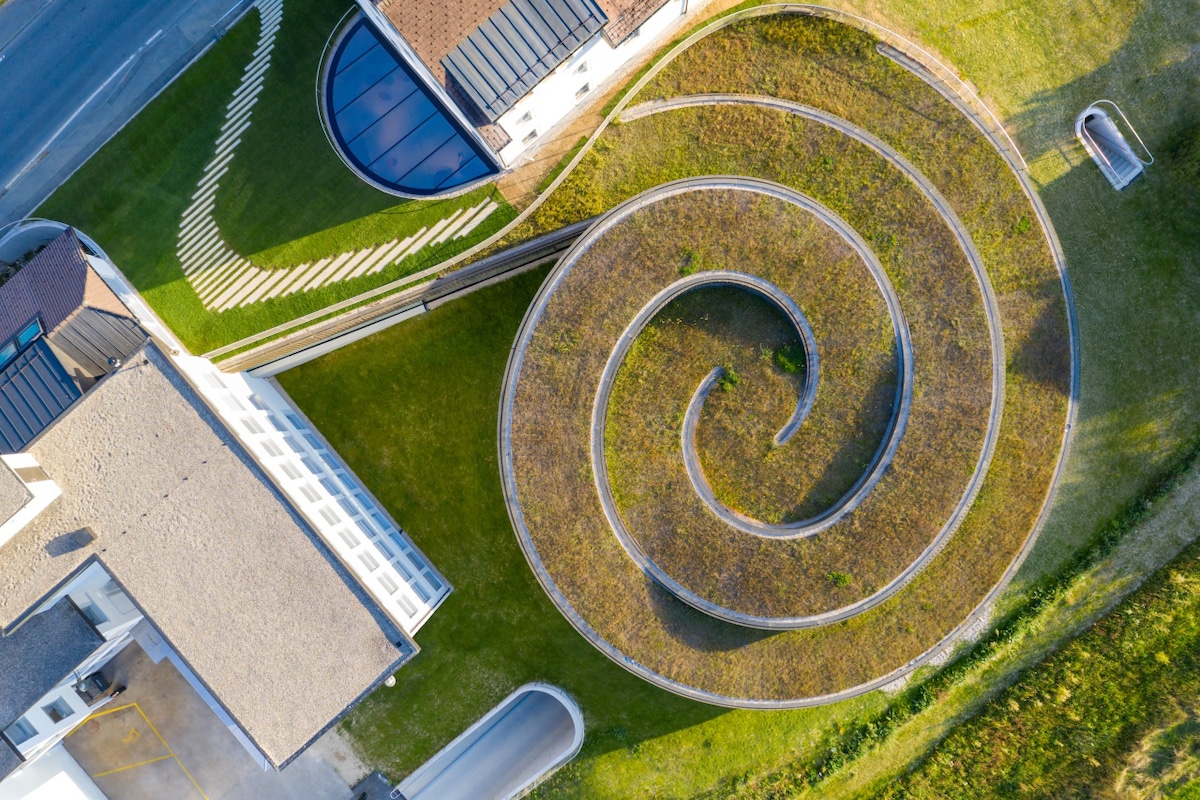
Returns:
<point x="133" y="736"/>
<point x="131" y="766"/>
<point x="169" y="750"/>
<point x="98" y="714"/>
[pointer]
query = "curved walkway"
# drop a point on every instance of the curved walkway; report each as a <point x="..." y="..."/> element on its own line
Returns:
<point x="992" y="312"/>
<point x="868" y="481"/>
<point x="222" y="277"/>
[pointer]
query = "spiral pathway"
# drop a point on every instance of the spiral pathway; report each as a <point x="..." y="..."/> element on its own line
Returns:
<point x="789" y="596"/>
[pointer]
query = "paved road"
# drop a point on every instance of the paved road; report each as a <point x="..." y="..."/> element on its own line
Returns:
<point x="72" y="72"/>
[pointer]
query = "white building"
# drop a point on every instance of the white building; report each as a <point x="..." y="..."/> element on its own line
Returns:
<point x="429" y="98"/>
<point x="147" y="497"/>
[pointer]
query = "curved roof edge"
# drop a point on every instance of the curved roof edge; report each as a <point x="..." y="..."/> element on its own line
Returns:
<point x="390" y="125"/>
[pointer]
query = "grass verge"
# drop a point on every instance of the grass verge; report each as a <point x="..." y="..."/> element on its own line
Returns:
<point x="287" y="199"/>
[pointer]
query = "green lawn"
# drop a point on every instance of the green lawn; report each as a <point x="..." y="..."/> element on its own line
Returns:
<point x="1135" y="265"/>
<point x="1085" y="721"/>
<point x="286" y="200"/>
<point x="414" y="412"/>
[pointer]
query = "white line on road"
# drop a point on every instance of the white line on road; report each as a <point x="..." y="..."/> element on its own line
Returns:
<point x="42" y="150"/>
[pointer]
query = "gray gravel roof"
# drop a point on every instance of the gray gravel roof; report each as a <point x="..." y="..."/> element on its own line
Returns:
<point x="39" y="654"/>
<point x="9" y="760"/>
<point x="225" y="568"/>
<point x="13" y="494"/>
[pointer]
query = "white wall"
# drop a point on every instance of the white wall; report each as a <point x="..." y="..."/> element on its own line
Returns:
<point x="42" y="494"/>
<point x="54" y="776"/>
<point x="555" y="96"/>
<point x="312" y="476"/>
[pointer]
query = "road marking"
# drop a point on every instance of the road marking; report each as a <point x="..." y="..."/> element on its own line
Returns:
<point x="43" y="151"/>
<point x="133" y="766"/>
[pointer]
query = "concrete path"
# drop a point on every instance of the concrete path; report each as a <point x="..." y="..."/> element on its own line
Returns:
<point x="222" y="277"/>
<point x="73" y="73"/>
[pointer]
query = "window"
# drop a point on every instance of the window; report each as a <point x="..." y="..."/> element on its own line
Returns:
<point x="312" y="440"/>
<point x="328" y="459"/>
<point x="368" y="561"/>
<point x="387" y="548"/>
<point x="309" y="493"/>
<point x="347" y="506"/>
<point x="20" y="731"/>
<point x="296" y="423"/>
<point x="389" y="585"/>
<point x="94" y="615"/>
<point x="364" y="527"/>
<point x="582" y="90"/>
<point x="272" y="448"/>
<point x="525" y="118"/>
<point x="399" y="540"/>
<point x="329" y="516"/>
<point x="252" y="426"/>
<point x="290" y="442"/>
<point x="29" y="333"/>
<point x="279" y="426"/>
<point x="406" y="604"/>
<point x="58" y="710"/>
<point x="348" y="538"/>
<point x="582" y="68"/>
<point x="8" y="354"/>
<point x="330" y="486"/>
<point x="529" y="137"/>
<point x="289" y="470"/>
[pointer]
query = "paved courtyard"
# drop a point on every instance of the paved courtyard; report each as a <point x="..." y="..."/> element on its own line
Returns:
<point x="159" y="739"/>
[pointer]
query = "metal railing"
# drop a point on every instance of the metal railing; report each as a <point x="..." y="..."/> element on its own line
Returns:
<point x="1083" y="131"/>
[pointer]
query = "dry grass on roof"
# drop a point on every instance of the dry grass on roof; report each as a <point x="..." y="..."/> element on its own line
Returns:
<point x="838" y="69"/>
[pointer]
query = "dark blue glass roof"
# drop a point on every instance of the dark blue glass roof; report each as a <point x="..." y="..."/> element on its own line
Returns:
<point x="391" y="126"/>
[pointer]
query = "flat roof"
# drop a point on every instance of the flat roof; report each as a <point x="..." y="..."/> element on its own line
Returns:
<point x="235" y="580"/>
<point x="39" y="654"/>
<point x="13" y="494"/>
<point x="390" y="125"/>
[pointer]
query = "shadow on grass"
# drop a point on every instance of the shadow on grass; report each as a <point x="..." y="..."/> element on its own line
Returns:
<point x="683" y="623"/>
<point x="1134" y="262"/>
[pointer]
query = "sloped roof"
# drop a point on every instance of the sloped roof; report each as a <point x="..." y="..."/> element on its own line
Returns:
<point x="34" y="391"/>
<point x="235" y="580"/>
<point x="40" y="653"/>
<point x="9" y="760"/>
<point x="626" y="16"/>
<point x="516" y="46"/>
<point x="56" y="283"/>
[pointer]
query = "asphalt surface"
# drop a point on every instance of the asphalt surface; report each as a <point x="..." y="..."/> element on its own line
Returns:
<point x="73" y="72"/>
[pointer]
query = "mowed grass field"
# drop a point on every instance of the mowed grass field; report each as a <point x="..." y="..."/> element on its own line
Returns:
<point x="414" y="411"/>
<point x="286" y="200"/>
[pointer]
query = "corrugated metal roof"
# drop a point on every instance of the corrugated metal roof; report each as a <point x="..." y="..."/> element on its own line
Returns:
<point x="518" y="45"/>
<point x="92" y="337"/>
<point x="34" y="391"/>
<point x="39" y="654"/>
